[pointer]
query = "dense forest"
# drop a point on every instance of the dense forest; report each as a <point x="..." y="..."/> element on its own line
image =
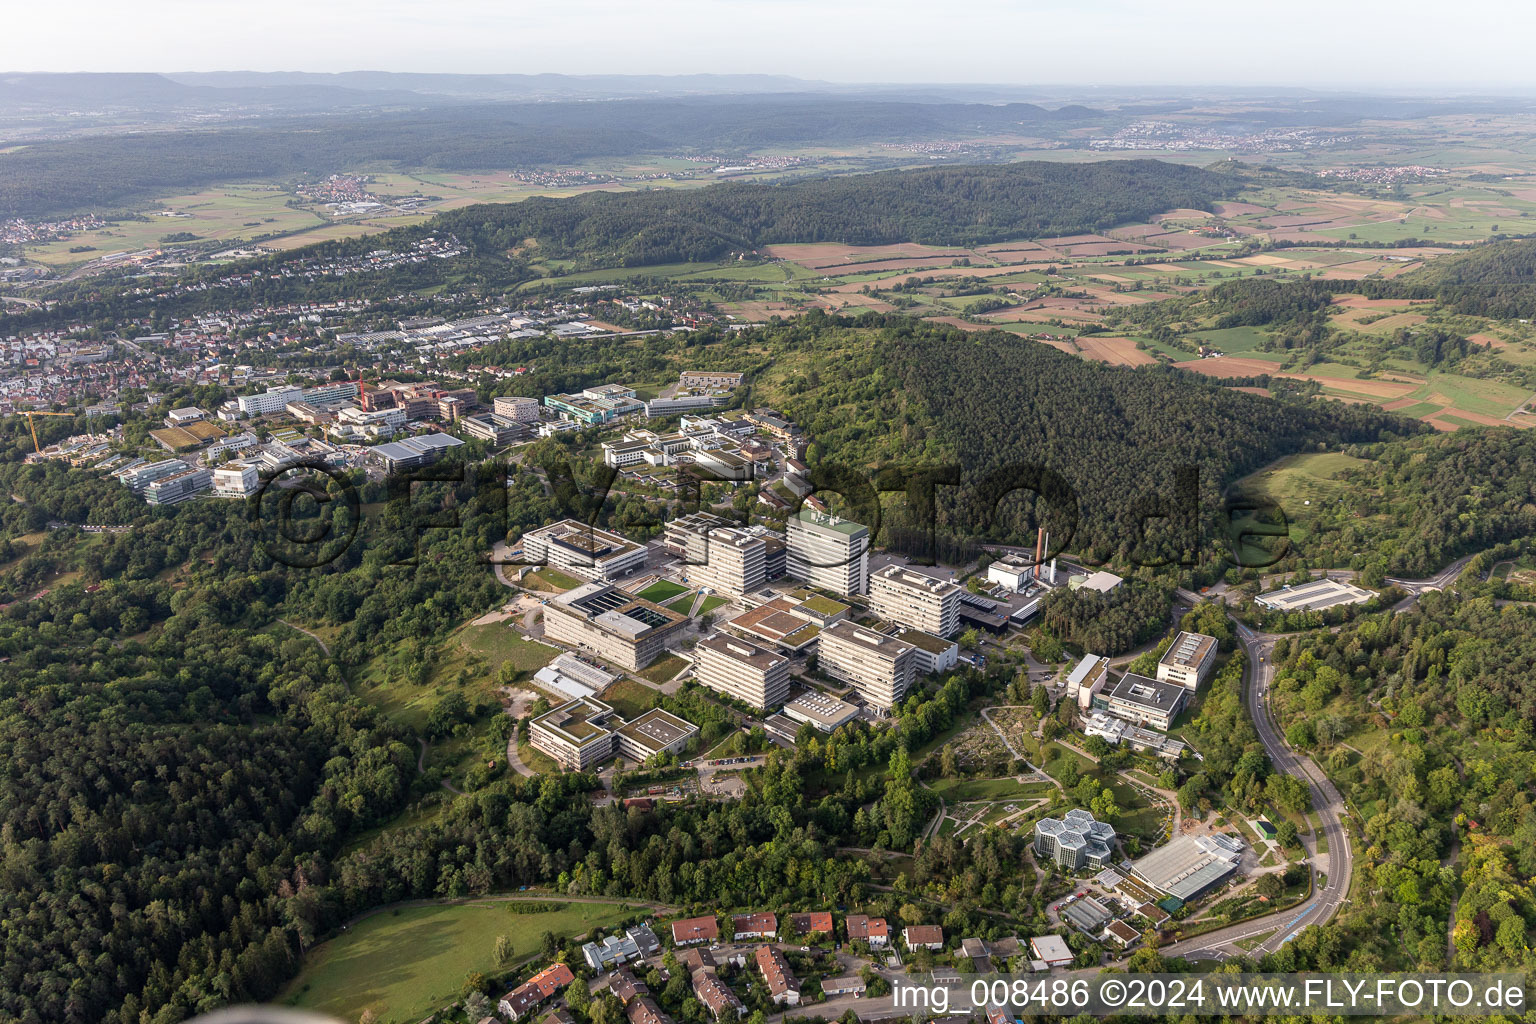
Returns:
<point x="1125" y="462"/>
<point x="1416" y="505"/>
<point x="1424" y="719"/>
<point x="938" y="206"/>
<point x="111" y="171"/>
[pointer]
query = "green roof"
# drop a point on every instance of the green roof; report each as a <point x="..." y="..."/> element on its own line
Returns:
<point x="824" y="605"/>
<point x="927" y="641"/>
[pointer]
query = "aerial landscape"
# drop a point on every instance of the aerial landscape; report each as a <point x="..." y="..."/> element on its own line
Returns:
<point x="684" y="523"/>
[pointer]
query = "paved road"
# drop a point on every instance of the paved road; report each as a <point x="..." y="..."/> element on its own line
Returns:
<point x="1337" y="864"/>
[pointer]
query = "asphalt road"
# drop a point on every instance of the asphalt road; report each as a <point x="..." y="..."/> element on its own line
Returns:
<point x="1336" y="865"/>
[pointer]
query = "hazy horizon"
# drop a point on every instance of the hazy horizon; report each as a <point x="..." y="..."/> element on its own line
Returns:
<point x="1111" y="43"/>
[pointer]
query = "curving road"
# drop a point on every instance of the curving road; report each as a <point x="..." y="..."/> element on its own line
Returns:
<point x="1337" y="864"/>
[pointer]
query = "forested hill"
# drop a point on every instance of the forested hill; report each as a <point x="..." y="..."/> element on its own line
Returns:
<point x="969" y="205"/>
<point x="105" y="172"/>
<point x="1497" y="279"/>
<point x="876" y="389"/>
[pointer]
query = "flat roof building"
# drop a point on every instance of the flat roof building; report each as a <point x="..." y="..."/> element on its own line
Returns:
<point x="879" y="667"/>
<point x="787" y="623"/>
<point x="1051" y="950"/>
<point x="1087" y="915"/>
<point x="914" y="599"/>
<point x="1118" y="730"/>
<point x="1188" y="660"/>
<point x="1314" y="596"/>
<point x="496" y="428"/>
<point x="1087" y="679"/>
<point x="523" y="410"/>
<point x="1189" y="865"/>
<point x="828" y="552"/>
<point x="236" y="480"/>
<point x="826" y="713"/>
<point x="583" y="550"/>
<point x="655" y="732"/>
<point x="719" y="554"/>
<point x="577" y="735"/>
<point x="1143" y="700"/>
<point x="411" y="452"/>
<point x="168" y="490"/>
<point x="933" y="653"/>
<point x="742" y="670"/>
<point x="618" y="627"/>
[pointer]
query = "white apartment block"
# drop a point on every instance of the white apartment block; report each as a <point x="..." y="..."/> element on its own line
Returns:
<point x="1188" y="660"/>
<point x="828" y="552"/>
<point x="719" y="555"/>
<point x="582" y="550"/>
<point x="910" y="598"/>
<point x="274" y="399"/>
<point x="879" y="667"/>
<point x="742" y="670"/>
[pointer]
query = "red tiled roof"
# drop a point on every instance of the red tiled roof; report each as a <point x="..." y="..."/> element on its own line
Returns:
<point x="695" y="929"/>
<point x="815" y="921"/>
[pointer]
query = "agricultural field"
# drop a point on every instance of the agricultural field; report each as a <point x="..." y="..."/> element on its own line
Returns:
<point x="404" y="964"/>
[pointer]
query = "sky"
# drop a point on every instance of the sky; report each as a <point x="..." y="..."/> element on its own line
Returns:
<point x="1359" y="44"/>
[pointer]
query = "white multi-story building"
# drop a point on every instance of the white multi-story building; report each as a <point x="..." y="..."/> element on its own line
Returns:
<point x="1188" y="660"/>
<point x="274" y="399"/>
<point x="513" y="407"/>
<point x="910" y="598"/>
<point x="828" y="552"/>
<point x="718" y="554"/>
<point x="577" y="734"/>
<point x="236" y="480"/>
<point x="332" y="391"/>
<point x="742" y="670"/>
<point x="582" y="550"/>
<point x="879" y="667"/>
<point x="618" y="628"/>
<point x="168" y="490"/>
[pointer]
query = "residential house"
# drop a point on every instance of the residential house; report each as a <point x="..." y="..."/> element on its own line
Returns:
<point x="519" y="1002"/>
<point x="924" y="936"/>
<point x="872" y="930"/>
<point x="693" y="930"/>
<point x="783" y="986"/>
<point x="818" y="922"/>
<point x="755" y="926"/>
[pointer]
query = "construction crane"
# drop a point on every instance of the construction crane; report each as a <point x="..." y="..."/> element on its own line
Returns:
<point x="29" y="413"/>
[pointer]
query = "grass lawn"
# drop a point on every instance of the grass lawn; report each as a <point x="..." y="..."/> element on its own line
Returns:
<point x="405" y="964"/>
<point x="988" y="789"/>
<point x="663" y="668"/>
<point x="682" y="605"/>
<point x="498" y="643"/>
<point x="662" y="591"/>
<point x="551" y="580"/>
<point x="629" y="698"/>
<point x="536" y="759"/>
<point x="710" y="603"/>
